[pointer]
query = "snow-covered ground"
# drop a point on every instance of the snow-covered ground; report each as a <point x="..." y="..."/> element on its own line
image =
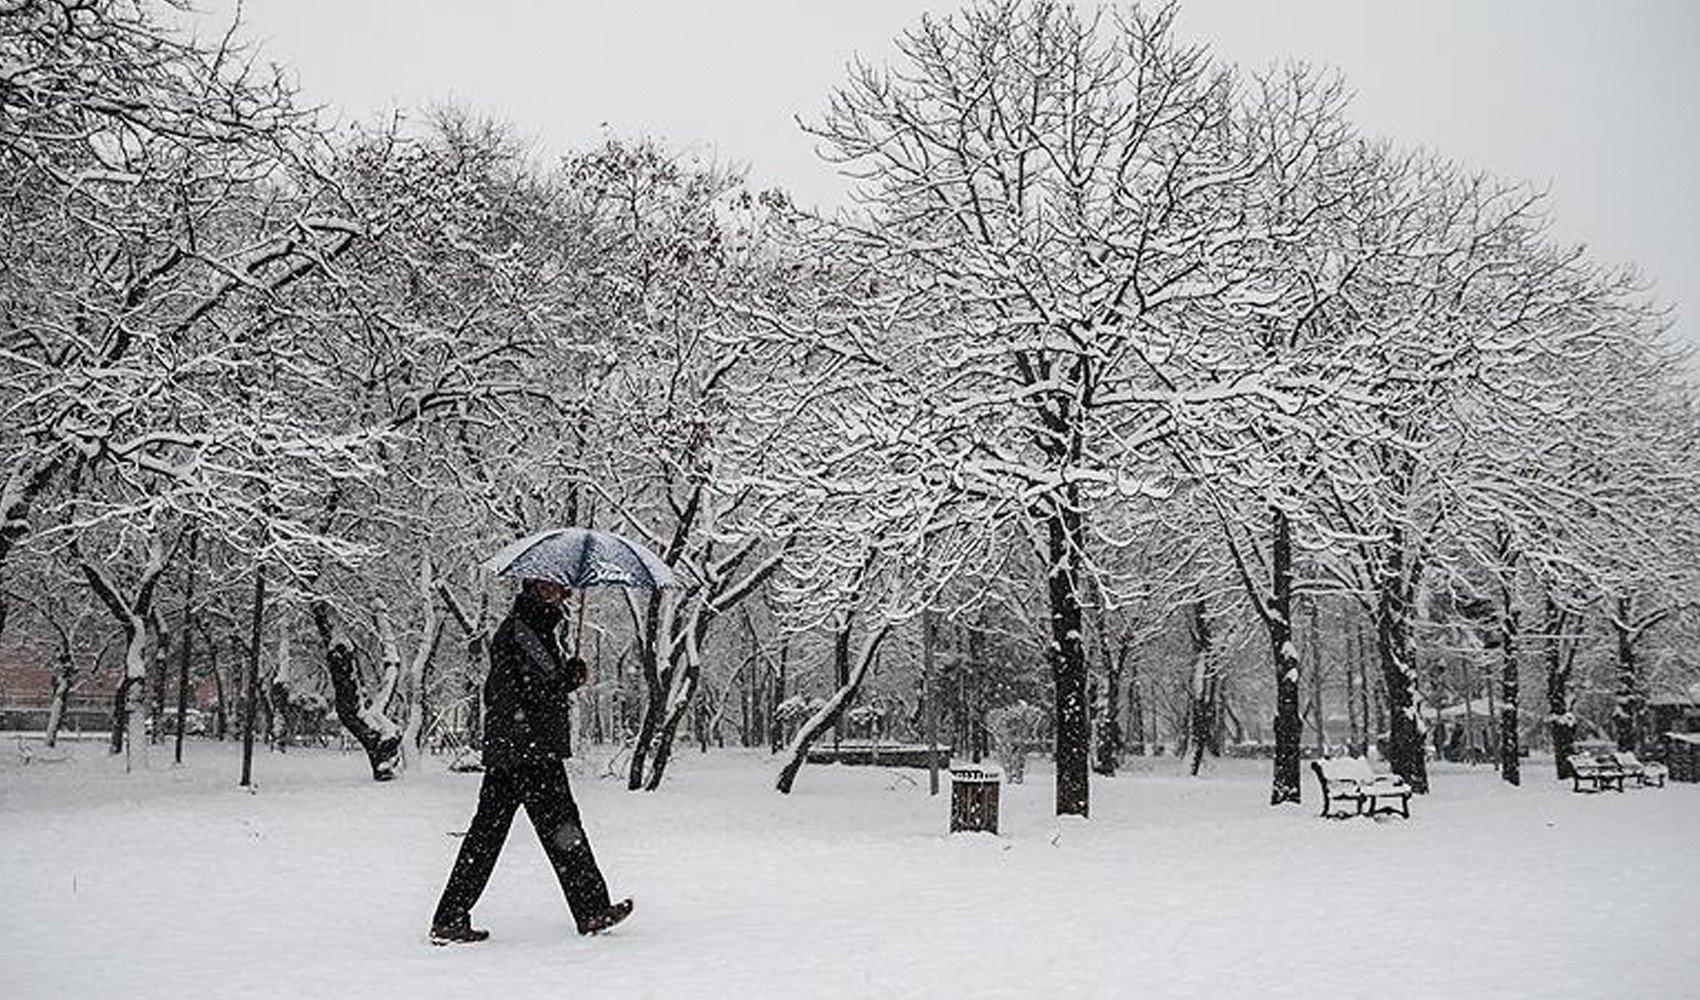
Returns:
<point x="174" y="883"/>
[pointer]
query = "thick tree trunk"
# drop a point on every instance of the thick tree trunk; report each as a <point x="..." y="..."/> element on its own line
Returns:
<point x="1068" y="658"/>
<point x="1289" y="727"/>
<point x="121" y="708"/>
<point x="1405" y="754"/>
<point x="28" y="477"/>
<point x="56" y="704"/>
<point x="376" y="734"/>
<point x="683" y="702"/>
<point x="655" y="685"/>
<point x="1631" y="692"/>
<point x="141" y="641"/>
<point x="129" y="725"/>
<point x="1561" y="718"/>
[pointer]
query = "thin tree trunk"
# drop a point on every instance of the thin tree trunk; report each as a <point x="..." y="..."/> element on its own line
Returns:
<point x="1318" y="712"/>
<point x="828" y="714"/>
<point x="1110" y="741"/>
<point x="1493" y="747"/>
<point x="1135" y="709"/>
<point x="776" y="725"/>
<point x="187" y="643"/>
<point x="1469" y="711"/>
<point x="1201" y="691"/>
<point x="1355" y="721"/>
<point x="221" y="720"/>
<point x="929" y="695"/>
<point x="157" y="675"/>
<point x="252" y="685"/>
<point x="1510" y="762"/>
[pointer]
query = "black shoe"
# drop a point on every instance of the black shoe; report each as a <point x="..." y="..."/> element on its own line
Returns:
<point x="607" y="918"/>
<point x="457" y="934"/>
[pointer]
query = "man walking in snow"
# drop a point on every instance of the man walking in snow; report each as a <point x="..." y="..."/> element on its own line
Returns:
<point x="526" y="735"/>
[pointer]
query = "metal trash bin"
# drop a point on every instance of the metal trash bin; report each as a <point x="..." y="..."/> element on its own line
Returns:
<point x="1682" y="756"/>
<point x="974" y="799"/>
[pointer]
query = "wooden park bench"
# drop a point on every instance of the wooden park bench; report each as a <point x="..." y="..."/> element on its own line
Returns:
<point x="1349" y="779"/>
<point x="1650" y="774"/>
<point x="1599" y="773"/>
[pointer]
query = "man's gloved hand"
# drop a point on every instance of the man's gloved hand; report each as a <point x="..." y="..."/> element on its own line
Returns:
<point x="578" y="672"/>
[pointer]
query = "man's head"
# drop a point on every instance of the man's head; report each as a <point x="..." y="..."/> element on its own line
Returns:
<point x="547" y="591"/>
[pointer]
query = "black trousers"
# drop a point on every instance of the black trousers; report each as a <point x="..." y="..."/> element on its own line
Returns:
<point x="542" y="788"/>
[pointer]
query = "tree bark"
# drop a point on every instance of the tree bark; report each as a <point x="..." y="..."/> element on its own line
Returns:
<point x="1068" y="657"/>
<point x="1289" y="727"/>
<point x="27" y="479"/>
<point x="824" y="719"/>
<point x="1631" y="694"/>
<point x="376" y="734"/>
<point x="929" y="697"/>
<point x="250" y="701"/>
<point x="1202" y="689"/>
<point x="1314" y="647"/>
<point x="682" y="702"/>
<point x="187" y="644"/>
<point x="1135" y="710"/>
<point x="1356" y="723"/>
<point x="136" y="617"/>
<point x="656" y="684"/>
<point x="1510" y="758"/>
<point x="1110" y="739"/>
<point x="1393" y="643"/>
<point x="1560" y="714"/>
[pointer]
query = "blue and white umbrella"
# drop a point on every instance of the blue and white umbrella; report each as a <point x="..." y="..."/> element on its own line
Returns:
<point x="579" y="558"/>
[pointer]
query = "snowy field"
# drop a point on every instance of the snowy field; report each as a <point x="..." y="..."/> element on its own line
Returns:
<point x="174" y="883"/>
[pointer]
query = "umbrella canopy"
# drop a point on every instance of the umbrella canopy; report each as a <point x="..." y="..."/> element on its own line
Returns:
<point x="580" y="558"/>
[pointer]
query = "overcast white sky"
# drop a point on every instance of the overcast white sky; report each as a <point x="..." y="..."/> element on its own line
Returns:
<point x="1596" y="99"/>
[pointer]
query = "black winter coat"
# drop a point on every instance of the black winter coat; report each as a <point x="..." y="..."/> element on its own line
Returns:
<point x="526" y="713"/>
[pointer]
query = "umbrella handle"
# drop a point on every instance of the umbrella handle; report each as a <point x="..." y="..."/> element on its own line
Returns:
<point x="578" y="633"/>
